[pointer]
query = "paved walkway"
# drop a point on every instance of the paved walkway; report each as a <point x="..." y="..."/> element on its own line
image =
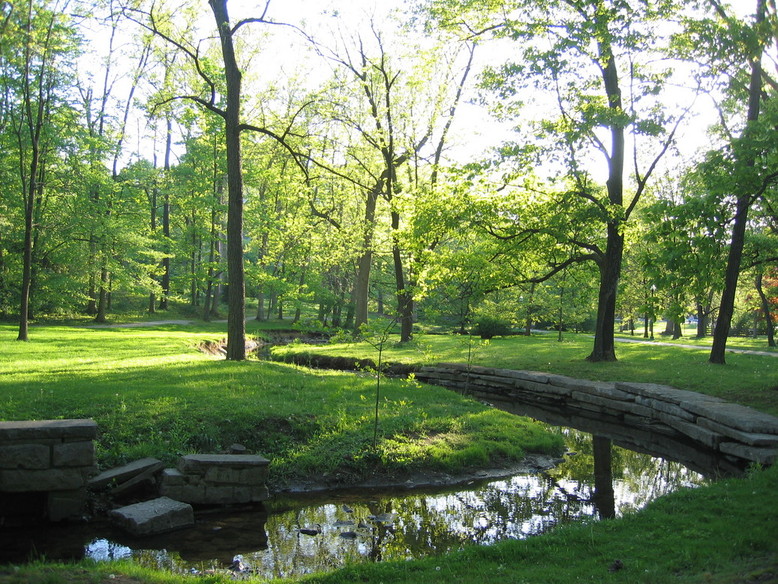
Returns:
<point x="701" y="347"/>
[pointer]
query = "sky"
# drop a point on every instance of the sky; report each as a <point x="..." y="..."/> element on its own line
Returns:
<point x="477" y="131"/>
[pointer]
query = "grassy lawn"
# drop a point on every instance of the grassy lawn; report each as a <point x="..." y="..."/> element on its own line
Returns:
<point x="748" y="379"/>
<point x="154" y="394"/>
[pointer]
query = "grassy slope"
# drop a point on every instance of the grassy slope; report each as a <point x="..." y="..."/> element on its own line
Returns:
<point x="153" y="394"/>
<point x="748" y="379"/>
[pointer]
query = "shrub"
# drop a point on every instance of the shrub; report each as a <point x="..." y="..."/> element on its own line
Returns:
<point x="491" y="326"/>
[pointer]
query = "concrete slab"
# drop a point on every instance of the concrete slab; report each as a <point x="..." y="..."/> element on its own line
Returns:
<point x="741" y="417"/>
<point x="24" y="430"/>
<point x="155" y="516"/>
<point x="124" y="473"/>
<point x="195" y="462"/>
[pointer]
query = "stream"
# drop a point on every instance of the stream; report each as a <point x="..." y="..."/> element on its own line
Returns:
<point x="301" y="534"/>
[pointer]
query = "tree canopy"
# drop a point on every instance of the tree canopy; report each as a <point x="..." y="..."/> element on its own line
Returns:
<point x="582" y="165"/>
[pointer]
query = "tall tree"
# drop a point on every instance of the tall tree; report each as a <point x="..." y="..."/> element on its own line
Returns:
<point x="230" y="113"/>
<point x="595" y="61"/>
<point x="47" y="42"/>
<point x="751" y="182"/>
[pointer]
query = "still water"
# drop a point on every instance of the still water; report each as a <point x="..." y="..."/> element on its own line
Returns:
<point x="294" y="536"/>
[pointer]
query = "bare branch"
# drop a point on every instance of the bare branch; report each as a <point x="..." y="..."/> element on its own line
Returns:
<point x="192" y="54"/>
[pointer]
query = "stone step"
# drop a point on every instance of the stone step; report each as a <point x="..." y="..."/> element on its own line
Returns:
<point x="122" y="474"/>
<point x="156" y="516"/>
<point x="194" y="463"/>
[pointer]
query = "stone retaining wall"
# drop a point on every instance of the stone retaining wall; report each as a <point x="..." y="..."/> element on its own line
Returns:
<point x="739" y="433"/>
<point x="217" y="479"/>
<point x="50" y="458"/>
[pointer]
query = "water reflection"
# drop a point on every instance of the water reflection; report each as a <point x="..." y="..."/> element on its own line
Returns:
<point x="596" y="480"/>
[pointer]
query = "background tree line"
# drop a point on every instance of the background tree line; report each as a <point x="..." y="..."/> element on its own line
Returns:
<point x="337" y="166"/>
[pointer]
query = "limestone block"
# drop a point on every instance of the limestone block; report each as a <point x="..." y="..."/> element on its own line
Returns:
<point x="766" y="456"/>
<point x="172" y="477"/>
<point x="255" y="494"/>
<point x="491" y="380"/>
<point x="259" y="493"/>
<point x="526" y="375"/>
<point x="655" y="391"/>
<point x="477" y="369"/>
<point x="25" y="430"/>
<point x="222" y="475"/>
<point x="60" y="479"/>
<point x="124" y="473"/>
<point x="697" y="433"/>
<point x="612" y="405"/>
<point x="25" y="456"/>
<point x="600" y="388"/>
<point x="200" y="463"/>
<point x="190" y="493"/>
<point x="543" y="388"/>
<point x="156" y="516"/>
<point x="658" y="405"/>
<point x="66" y="504"/>
<point x="219" y="495"/>
<point x="737" y="416"/>
<point x="252" y="476"/>
<point x="750" y="438"/>
<point x="80" y="453"/>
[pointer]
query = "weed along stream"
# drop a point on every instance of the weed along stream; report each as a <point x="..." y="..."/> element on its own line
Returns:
<point x="301" y="534"/>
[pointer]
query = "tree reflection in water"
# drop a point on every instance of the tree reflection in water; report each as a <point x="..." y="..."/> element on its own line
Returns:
<point x="596" y="479"/>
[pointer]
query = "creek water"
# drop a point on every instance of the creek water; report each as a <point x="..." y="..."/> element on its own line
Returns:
<point x="595" y="479"/>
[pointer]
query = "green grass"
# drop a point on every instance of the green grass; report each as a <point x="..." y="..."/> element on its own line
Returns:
<point x="153" y="393"/>
<point x="748" y="379"/>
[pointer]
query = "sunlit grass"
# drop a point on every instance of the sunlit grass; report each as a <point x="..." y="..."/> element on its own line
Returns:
<point x="154" y="394"/>
<point x="748" y="379"/>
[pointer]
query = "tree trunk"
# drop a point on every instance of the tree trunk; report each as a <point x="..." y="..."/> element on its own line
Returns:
<point x="364" y="263"/>
<point x="29" y="201"/>
<point x="163" y="301"/>
<point x="702" y="321"/>
<point x="610" y="270"/>
<point x="766" y="310"/>
<point x="236" y="321"/>
<point x="727" y="306"/>
<point x="102" y="297"/>
<point x="610" y="265"/>
<point x="404" y="295"/>
<point x="151" y="194"/>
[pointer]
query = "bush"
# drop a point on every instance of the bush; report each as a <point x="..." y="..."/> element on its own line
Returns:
<point x="491" y="326"/>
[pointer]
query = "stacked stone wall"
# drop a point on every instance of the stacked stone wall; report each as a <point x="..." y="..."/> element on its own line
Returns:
<point x="735" y="431"/>
<point x="52" y="457"/>
<point x="217" y="479"/>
